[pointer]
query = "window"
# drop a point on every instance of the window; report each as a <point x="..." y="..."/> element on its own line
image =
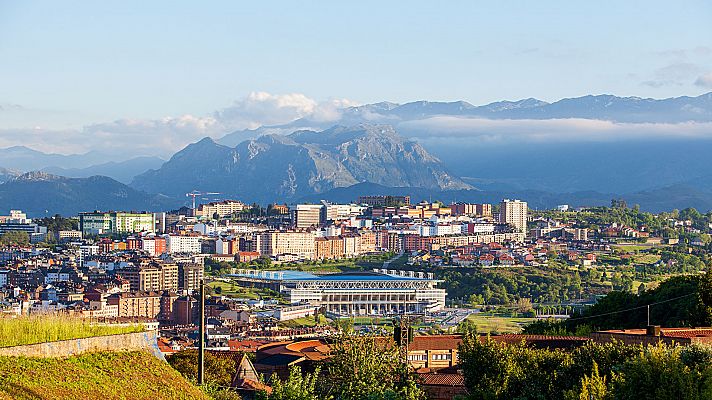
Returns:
<point x="442" y="357"/>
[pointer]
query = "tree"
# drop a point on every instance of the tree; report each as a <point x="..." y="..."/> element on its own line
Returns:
<point x="218" y="371"/>
<point x="369" y="367"/>
<point x="295" y="387"/>
<point x="659" y="373"/>
<point x="593" y="387"/>
<point x="524" y="305"/>
<point x="18" y="238"/>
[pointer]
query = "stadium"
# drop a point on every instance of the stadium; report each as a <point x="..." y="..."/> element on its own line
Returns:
<point x="378" y="292"/>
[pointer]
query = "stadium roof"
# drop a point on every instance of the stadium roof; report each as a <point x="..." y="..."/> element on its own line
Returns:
<point x="362" y="276"/>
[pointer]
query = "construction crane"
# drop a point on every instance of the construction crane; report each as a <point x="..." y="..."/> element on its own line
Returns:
<point x="196" y="193"/>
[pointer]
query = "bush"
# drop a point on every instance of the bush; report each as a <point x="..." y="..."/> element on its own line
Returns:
<point x="218" y="371"/>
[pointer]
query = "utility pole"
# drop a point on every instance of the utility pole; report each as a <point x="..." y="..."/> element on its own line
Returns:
<point x="201" y="334"/>
<point x="648" y="315"/>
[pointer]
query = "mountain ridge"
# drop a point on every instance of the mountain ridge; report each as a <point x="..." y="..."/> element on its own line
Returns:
<point x="39" y="193"/>
<point x="302" y="163"/>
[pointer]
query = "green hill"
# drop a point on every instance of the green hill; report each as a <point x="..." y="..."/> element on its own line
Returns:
<point x="104" y="375"/>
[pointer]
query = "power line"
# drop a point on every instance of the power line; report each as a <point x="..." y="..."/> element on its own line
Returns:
<point x="631" y="309"/>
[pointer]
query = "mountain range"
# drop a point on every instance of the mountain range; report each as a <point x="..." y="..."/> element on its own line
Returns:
<point x="595" y="107"/>
<point x="122" y="171"/>
<point x="284" y="168"/>
<point x="389" y="147"/>
<point x="40" y="194"/>
<point x="18" y="159"/>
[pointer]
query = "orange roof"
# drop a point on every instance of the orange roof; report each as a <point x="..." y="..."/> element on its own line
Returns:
<point x="249" y="384"/>
<point x="436" y="342"/>
<point x="667" y="332"/>
<point x="244" y="345"/>
<point x="436" y="379"/>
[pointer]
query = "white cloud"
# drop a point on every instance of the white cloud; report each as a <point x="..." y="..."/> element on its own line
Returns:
<point x="122" y="138"/>
<point x="675" y="74"/>
<point x="128" y="137"/>
<point x="704" y="80"/>
<point x="262" y="108"/>
<point x="489" y="131"/>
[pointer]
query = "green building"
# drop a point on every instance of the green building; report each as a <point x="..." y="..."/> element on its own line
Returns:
<point x="93" y="223"/>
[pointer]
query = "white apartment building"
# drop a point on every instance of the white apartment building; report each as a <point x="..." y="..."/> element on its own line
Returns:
<point x="306" y="215"/>
<point x="221" y="208"/>
<point x="513" y="212"/>
<point x="87" y="251"/>
<point x="153" y="246"/>
<point x="182" y="244"/>
<point x="275" y="243"/>
<point x="339" y="212"/>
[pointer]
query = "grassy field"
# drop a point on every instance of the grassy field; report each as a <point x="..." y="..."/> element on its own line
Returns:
<point x="632" y="247"/>
<point x="305" y="322"/>
<point x="39" y="329"/>
<point x="106" y="376"/>
<point x="498" y="324"/>
<point x="233" y="290"/>
<point x="351" y="264"/>
<point x="646" y="258"/>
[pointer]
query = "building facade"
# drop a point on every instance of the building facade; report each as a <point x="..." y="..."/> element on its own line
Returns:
<point x="369" y="293"/>
<point x="513" y="212"/>
<point x="307" y="215"/>
<point x="97" y="223"/>
<point x="277" y="243"/>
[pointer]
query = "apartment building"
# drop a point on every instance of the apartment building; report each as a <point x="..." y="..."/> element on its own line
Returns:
<point x="307" y="215"/>
<point x="275" y="243"/>
<point x="329" y="247"/>
<point x="154" y="246"/>
<point x="340" y="212"/>
<point x="97" y="223"/>
<point x="182" y="244"/>
<point x="136" y="305"/>
<point x="189" y="276"/>
<point x="220" y="208"/>
<point x="475" y="210"/>
<point x="513" y="212"/>
<point x="151" y="277"/>
<point x="384" y="201"/>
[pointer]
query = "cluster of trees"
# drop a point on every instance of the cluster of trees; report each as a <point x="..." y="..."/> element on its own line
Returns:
<point x="619" y="213"/>
<point x="213" y="267"/>
<point x="594" y="371"/>
<point x="58" y="223"/>
<point x="506" y="286"/>
<point x="360" y="368"/>
<point x="218" y="372"/>
<point x="14" y="238"/>
<point x="681" y="301"/>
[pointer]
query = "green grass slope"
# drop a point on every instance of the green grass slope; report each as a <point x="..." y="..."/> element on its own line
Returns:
<point x="103" y="375"/>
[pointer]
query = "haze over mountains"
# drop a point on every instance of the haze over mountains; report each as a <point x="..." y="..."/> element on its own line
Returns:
<point x="41" y="194"/>
<point x="276" y="167"/>
<point x="581" y="151"/>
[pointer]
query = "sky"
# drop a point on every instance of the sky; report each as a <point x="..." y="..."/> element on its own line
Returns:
<point x="161" y="70"/>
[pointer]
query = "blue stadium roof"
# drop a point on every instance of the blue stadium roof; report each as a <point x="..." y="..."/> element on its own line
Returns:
<point x="341" y="276"/>
<point x="361" y="276"/>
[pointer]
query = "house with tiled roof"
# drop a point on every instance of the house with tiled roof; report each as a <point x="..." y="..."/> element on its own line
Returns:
<point x="486" y="260"/>
<point x="246" y="380"/>
<point x="654" y="334"/>
<point x="505" y="259"/>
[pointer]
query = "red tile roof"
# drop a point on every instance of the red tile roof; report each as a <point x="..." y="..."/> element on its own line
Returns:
<point x="436" y="379"/>
<point x="436" y="342"/>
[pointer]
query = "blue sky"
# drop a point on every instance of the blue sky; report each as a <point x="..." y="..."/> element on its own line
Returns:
<point x="68" y="64"/>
